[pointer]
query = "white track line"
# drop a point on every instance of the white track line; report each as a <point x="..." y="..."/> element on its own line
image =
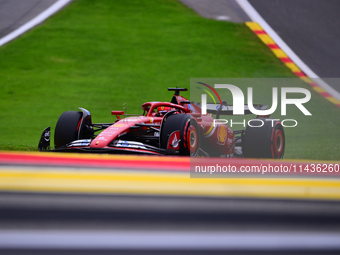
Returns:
<point x="255" y="16"/>
<point x="82" y="239"/>
<point x="32" y="23"/>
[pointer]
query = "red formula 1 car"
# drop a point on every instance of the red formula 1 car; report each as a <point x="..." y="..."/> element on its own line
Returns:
<point x="167" y="128"/>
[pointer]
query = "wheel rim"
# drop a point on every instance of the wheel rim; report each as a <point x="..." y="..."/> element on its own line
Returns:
<point x="192" y="140"/>
<point x="278" y="144"/>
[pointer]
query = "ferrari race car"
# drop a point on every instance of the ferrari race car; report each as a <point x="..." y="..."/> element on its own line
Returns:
<point x="167" y="128"/>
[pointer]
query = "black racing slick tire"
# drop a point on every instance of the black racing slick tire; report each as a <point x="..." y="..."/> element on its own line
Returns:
<point x="67" y="128"/>
<point x="267" y="141"/>
<point x="189" y="143"/>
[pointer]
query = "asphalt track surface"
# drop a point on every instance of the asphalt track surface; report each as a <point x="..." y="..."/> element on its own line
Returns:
<point x="226" y="10"/>
<point x="64" y="222"/>
<point x="15" y="13"/>
<point x="311" y="29"/>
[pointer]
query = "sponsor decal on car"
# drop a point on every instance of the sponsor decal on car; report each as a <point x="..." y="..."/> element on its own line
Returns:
<point x="119" y="125"/>
<point x="222" y="135"/>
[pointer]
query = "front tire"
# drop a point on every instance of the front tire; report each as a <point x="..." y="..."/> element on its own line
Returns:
<point x="67" y="128"/>
<point x="189" y="143"/>
<point x="267" y="141"/>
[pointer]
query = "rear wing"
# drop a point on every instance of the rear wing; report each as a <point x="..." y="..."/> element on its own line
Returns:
<point x="177" y="90"/>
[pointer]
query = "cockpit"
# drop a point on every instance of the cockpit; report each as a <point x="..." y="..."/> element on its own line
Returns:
<point x="159" y="109"/>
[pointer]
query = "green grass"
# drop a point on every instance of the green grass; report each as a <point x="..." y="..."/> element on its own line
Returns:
<point x="101" y="54"/>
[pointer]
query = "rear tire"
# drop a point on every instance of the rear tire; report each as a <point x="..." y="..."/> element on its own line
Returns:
<point x="267" y="141"/>
<point x="67" y="128"/>
<point x="189" y="133"/>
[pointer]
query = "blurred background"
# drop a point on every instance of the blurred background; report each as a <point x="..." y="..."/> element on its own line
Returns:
<point x="102" y="54"/>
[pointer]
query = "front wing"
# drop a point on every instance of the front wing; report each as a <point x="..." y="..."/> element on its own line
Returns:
<point x="116" y="147"/>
